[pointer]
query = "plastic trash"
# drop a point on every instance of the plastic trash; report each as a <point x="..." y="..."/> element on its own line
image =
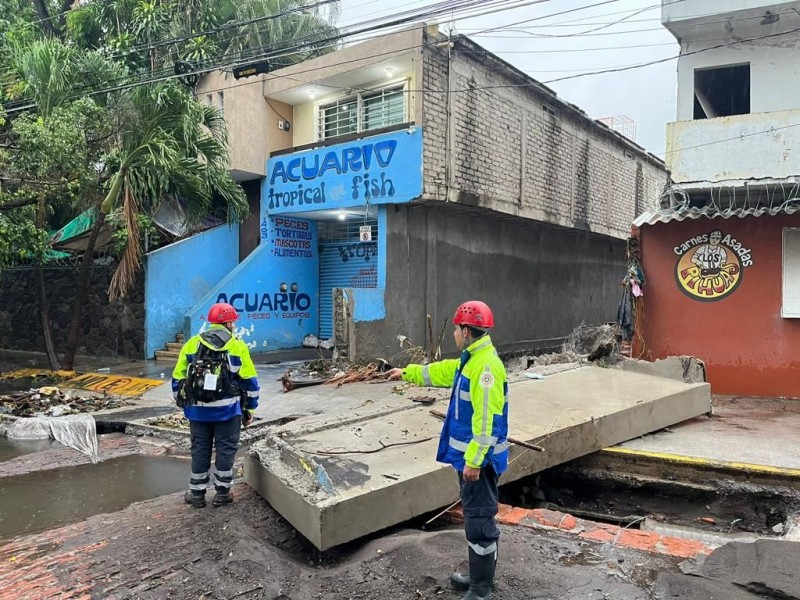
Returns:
<point x="534" y="375"/>
<point x="311" y="341"/>
<point x="104" y="370"/>
<point x="326" y="344"/>
<point x="76" y="431"/>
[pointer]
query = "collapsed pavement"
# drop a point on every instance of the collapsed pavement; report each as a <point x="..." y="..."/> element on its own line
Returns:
<point x="342" y="476"/>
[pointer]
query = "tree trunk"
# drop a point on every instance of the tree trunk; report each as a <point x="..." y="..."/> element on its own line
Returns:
<point x="44" y="18"/>
<point x="80" y="294"/>
<point x="47" y="330"/>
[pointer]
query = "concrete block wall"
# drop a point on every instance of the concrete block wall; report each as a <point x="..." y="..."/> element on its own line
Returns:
<point x="541" y="280"/>
<point x="518" y="149"/>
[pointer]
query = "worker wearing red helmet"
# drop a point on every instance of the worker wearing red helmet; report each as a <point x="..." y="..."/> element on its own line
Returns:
<point x="216" y="383"/>
<point x="474" y="436"/>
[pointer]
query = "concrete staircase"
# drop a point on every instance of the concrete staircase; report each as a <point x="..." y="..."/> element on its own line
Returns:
<point x="171" y="350"/>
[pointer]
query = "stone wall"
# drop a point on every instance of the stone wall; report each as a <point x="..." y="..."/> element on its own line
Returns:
<point x="107" y="329"/>
<point x="492" y="139"/>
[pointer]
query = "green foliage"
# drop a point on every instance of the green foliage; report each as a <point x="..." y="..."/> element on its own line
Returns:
<point x="84" y="28"/>
<point x="57" y="157"/>
<point x="126" y="148"/>
<point x="19" y="237"/>
<point x="149" y="233"/>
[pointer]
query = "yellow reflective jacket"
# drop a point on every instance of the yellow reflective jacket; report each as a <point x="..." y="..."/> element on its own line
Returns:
<point x="476" y="428"/>
<point x="242" y="370"/>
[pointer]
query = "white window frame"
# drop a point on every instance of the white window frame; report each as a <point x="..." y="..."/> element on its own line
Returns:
<point x="790" y="304"/>
<point x="320" y="106"/>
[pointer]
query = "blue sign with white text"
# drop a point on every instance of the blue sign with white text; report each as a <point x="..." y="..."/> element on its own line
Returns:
<point x="275" y="289"/>
<point x="383" y="169"/>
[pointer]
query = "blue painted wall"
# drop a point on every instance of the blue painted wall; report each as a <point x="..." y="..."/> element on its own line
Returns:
<point x="179" y="275"/>
<point x="271" y="318"/>
<point x="381" y="169"/>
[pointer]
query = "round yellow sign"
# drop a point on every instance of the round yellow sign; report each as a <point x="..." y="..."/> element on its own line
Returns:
<point x="710" y="266"/>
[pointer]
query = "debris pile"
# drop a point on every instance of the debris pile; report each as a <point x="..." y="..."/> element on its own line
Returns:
<point x="174" y="421"/>
<point x="334" y="373"/>
<point x="372" y="371"/>
<point x="587" y="343"/>
<point x="53" y="402"/>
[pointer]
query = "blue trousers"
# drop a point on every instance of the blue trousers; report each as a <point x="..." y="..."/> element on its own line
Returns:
<point x="207" y="436"/>
<point x="479" y="503"/>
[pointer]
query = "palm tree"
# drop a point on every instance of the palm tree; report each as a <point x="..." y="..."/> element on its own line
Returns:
<point x="44" y="72"/>
<point x="170" y="144"/>
<point x="313" y="28"/>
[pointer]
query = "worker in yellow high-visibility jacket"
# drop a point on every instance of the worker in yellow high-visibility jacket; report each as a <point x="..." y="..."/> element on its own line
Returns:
<point x="473" y="438"/>
<point x="216" y="384"/>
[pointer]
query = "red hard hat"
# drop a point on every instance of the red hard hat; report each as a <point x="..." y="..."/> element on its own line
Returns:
<point x="222" y="313"/>
<point x="474" y="314"/>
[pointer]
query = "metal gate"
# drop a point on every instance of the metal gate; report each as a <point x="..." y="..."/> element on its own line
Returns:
<point x="344" y="263"/>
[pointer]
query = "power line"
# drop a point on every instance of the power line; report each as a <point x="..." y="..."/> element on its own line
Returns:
<point x="409" y="16"/>
<point x="524" y="30"/>
<point x="531" y="84"/>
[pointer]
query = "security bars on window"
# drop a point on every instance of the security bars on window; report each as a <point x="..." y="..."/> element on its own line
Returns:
<point x="366" y="111"/>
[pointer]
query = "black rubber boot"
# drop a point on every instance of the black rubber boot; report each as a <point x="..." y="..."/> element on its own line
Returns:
<point x="481" y="576"/>
<point x="221" y="498"/>
<point x="198" y="500"/>
<point x="460" y="581"/>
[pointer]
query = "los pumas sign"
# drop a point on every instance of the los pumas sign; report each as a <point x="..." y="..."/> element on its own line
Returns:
<point x="711" y="266"/>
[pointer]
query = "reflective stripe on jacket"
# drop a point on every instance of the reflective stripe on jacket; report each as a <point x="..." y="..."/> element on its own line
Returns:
<point x="242" y="369"/>
<point x="476" y="428"/>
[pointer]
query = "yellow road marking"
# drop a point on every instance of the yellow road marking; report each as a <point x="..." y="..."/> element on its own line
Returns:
<point x="113" y="384"/>
<point x="706" y="462"/>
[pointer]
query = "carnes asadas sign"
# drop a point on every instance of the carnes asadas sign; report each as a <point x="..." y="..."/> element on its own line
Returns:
<point x="383" y="169"/>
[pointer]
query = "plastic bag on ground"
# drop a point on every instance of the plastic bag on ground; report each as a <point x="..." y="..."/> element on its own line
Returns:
<point x="76" y="431"/>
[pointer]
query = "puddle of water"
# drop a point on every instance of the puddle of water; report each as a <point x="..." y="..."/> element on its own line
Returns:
<point x="46" y="499"/>
<point x="13" y="448"/>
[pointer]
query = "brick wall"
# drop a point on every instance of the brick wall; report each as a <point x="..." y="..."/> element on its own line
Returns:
<point x="519" y="149"/>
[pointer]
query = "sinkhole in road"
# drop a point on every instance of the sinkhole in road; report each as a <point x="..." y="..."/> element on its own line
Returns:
<point x="716" y="503"/>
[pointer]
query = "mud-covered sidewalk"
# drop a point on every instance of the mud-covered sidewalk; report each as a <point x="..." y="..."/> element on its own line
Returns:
<point x="163" y="548"/>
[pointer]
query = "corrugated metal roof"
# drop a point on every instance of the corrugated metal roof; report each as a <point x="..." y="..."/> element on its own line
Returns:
<point x="712" y="212"/>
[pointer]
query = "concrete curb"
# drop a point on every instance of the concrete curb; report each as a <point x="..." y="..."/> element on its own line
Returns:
<point x="704" y="463"/>
<point x="549" y="520"/>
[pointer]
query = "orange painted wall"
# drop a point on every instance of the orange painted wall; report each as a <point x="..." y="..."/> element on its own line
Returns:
<point x="748" y="348"/>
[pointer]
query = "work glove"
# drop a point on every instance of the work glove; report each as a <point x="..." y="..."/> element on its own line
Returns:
<point x="247" y="417"/>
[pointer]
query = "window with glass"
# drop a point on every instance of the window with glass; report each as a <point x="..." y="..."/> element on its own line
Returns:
<point x="365" y="111"/>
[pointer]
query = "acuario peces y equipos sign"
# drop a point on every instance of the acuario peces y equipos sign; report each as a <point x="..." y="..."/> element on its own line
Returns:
<point x="276" y="289"/>
<point x="380" y="169"/>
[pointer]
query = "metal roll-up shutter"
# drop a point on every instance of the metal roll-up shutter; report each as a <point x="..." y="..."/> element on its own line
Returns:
<point x="343" y="265"/>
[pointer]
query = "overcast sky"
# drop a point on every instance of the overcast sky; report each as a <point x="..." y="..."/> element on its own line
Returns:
<point x="587" y="40"/>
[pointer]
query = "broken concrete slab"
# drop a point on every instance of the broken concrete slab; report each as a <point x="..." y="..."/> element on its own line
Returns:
<point x="342" y="476"/>
<point x="683" y="368"/>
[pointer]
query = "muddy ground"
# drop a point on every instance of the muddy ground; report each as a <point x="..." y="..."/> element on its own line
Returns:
<point x="163" y="548"/>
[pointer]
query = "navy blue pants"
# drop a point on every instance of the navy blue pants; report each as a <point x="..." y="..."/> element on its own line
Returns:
<point x="479" y="503"/>
<point x="206" y="436"/>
